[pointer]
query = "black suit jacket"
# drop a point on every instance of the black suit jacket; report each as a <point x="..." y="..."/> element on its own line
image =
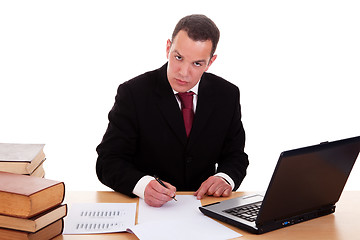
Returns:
<point x="146" y="135"/>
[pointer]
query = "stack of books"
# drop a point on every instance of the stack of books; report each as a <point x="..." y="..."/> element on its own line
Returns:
<point x="30" y="207"/>
<point x="26" y="159"/>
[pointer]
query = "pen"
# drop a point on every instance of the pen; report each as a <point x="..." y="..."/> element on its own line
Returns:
<point x="162" y="184"/>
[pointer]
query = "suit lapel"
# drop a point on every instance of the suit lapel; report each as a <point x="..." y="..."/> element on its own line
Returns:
<point x="204" y="109"/>
<point x="169" y="107"/>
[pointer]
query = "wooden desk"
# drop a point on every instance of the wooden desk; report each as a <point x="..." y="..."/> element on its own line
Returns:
<point x="343" y="224"/>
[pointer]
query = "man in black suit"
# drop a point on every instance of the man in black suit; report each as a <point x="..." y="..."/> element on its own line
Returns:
<point x="147" y="136"/>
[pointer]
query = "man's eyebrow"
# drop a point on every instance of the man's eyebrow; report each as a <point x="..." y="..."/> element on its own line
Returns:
<point x="201" y="61"/>
<point x="177" y="52"/>
<point x="197" y="61"/>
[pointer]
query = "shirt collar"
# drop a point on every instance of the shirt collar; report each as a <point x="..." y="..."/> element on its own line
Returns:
<point x="195" y="89"/>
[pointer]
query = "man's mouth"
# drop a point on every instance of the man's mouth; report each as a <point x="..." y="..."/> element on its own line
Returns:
<point x="181" y="82"/>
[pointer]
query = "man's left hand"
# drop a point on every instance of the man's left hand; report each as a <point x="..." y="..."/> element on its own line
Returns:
<point x="214" y="186"/>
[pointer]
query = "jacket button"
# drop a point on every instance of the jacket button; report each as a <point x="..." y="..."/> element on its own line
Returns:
<point x="188" y="159"/>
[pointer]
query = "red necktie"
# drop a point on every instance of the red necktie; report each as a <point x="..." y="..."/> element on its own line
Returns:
<point x="186" y="100"/>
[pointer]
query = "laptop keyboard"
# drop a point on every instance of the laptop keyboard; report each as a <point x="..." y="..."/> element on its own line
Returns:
<point x="248" y="212"/>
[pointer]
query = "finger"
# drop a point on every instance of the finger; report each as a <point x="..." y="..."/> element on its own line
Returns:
<point x="219" y="187"/>
<point x="196" y="193"/>
<point x="163" y="192"/>
<point x="203" y="189"/>
<point x="223" y="190"/>
<point x="153" y="201"/>
<point x="170" y="187"/>
<point x="218" y="192"/>
<point x="212" y="184"/>
<point x="153" y="197"/>
<point x="216" y="189"/>
<point x="227" y="192"/>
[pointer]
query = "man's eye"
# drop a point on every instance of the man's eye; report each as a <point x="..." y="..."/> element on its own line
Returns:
<point x="178" y="57"/>
<point x="197" y="64"/>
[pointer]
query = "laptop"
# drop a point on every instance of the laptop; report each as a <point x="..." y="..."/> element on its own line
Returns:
<point x="306" y="184"/>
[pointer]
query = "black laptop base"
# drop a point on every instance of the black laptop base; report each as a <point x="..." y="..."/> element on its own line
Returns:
<point x="271" y="226"/>
<point x="296" y="219"/>
<point x="227" y="220"/>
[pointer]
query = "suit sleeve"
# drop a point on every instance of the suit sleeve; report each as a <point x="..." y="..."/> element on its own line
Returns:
<point x="115" y="166"/>
<point x="233" y="160"/>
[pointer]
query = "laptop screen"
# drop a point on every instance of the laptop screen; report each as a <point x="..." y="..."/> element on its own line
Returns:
<point x="308" y="179"/>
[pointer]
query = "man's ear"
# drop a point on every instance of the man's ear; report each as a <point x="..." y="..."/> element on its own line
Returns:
<point x="211" y="61"/>
<point x="168" y="46"/>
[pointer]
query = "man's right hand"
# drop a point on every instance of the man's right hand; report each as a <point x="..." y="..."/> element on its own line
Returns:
<point x="157" y="195"/>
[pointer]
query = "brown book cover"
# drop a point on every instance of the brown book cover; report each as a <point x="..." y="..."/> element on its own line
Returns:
<point x="35" y="223"/>
<point x="21" y="158"/>
<point x="46" y="233"/>
<point x="26" y="196"/>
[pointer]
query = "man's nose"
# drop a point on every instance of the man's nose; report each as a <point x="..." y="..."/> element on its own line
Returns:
<point x="184" y="69"/>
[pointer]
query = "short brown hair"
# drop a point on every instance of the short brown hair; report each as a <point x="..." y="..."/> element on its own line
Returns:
<point x="199" y="28"/>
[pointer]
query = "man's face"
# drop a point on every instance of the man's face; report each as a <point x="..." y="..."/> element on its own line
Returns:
<point x="188" y="60"/>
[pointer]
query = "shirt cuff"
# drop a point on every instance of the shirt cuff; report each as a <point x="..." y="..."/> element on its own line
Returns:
<point x="227" y="178"/>
<point x="139" y="189"/>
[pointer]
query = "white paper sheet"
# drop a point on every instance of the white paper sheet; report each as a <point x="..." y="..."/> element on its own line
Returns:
<point x="185" y="207"/>
<point x="89" y="218"/>
<point x="177" y="221"/>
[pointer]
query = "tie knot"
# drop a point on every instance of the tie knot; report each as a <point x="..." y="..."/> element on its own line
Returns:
<point x="186" y="100"/>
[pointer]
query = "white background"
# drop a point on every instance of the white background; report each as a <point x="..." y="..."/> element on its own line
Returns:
<point x="297" y="64"/>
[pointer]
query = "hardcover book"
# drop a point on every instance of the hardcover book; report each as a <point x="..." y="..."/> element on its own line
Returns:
<point x="26" y="196"/>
